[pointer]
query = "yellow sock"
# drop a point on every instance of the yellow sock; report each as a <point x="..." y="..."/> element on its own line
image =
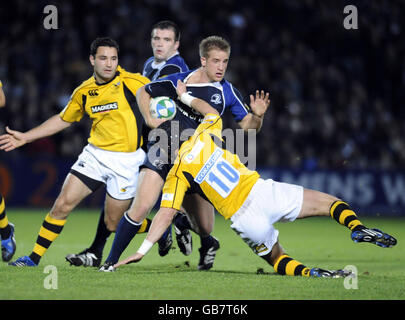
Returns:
<point x="343" y="214"/>
<point x="50" y="230"/>
<point x="285" y="265"/>
<point x="3" y="216"/>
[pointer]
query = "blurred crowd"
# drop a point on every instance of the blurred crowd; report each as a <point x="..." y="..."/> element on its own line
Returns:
<point x="336" y="94"/>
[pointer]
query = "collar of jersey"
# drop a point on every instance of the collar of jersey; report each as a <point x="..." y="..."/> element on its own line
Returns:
<point x="117" y="73"/>
<point x="156" y="65"/>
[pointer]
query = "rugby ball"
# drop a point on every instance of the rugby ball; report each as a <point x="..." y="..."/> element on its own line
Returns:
<point x="162" y="108"/>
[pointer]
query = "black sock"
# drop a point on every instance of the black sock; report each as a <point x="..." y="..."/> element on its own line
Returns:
<point x="101" y="237"/>
<point x="206" y="241"/>
<point x="181" y="222"/>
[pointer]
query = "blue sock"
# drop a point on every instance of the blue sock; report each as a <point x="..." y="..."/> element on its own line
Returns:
<point x="126" y="231"/>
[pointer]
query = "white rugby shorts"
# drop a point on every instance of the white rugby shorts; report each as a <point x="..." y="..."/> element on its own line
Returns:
<point x="268" y="202"/>
<point x="119" y="171"/>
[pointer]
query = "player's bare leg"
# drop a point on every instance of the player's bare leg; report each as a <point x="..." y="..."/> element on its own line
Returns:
<point x="201" y="218"/>
<point x="201" y="214"/>
<point x="114" y="210"/>
<point x="150" y="185"/>
<point x="317" y="203"/>
<point x="72" y="193"/>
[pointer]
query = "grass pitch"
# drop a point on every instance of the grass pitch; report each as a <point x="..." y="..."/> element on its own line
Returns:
<point x="237" y="273"/>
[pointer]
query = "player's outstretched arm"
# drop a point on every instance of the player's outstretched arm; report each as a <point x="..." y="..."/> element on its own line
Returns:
<point x="258" y="104"/>
<point x="160" y="223"/>
<point x="15" y="139"/>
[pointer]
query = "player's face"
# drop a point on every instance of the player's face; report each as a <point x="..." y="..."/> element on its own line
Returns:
<point x="215" y="65"/>
<point x="105" y="63"/>
<point x="163" y="44"/>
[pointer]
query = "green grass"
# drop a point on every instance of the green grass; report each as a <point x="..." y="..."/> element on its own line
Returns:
<point x="315" y="242"/>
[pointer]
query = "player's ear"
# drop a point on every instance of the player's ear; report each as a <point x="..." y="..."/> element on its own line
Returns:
<point x="91" y="58"/>
<point x="176" y="45"/>
<point x="203" y="61"/>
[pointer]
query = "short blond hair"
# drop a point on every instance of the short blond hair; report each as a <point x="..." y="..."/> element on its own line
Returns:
<point x="213" y="42"/>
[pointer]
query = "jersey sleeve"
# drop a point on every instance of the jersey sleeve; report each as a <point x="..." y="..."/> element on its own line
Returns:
<point x="168" y="70"/>
<point x="1" y="84"/>
<point x="163" y="87"/>
<point x="134" y="81"/>
<point x="238" y="108"/>
<point x="74" y="110"/>
<point x="174" y="190"/>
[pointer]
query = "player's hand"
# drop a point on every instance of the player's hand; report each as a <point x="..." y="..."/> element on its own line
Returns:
<point x="12" y="140"/>
<point x="154" y="123"/>
<point x="181" y="88"/>
<point x="131" y="259"/>
<point x="259" y="103"/>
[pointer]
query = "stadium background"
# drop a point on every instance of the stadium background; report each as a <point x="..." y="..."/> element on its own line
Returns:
<point x="335" y="123"/>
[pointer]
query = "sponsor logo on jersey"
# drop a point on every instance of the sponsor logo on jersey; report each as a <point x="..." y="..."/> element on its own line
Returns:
<point x="208" y="165"/>
<point x="93" y="92"/>
<point x="104" y="107"/>
<point x="216" y="98"/>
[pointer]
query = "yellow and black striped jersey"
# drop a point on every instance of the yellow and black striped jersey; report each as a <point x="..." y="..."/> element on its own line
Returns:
<point x="203" y="166"/>
<point x="116" y="119"/>
<point x="1" y="84"/>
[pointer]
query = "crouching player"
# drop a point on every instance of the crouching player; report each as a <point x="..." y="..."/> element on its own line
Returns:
<point x="251" y="203"/>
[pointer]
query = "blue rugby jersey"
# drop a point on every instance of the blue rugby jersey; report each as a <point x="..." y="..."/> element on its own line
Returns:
<point x="155" y="71"/>
<point x="220" y="95"/>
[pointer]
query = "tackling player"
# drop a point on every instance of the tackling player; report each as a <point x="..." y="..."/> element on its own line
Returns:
<point x="113" y="153"/>
<point x="252" y="204"/>
<point x="208" y="84"/>
<point x="8" y="245"/>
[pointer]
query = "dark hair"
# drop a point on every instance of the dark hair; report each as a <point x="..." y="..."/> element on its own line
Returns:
<point x="102" y="42"/>
<point x="167" y="24"/>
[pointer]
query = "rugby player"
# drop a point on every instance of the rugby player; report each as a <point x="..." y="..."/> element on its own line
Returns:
<point x="252" y="204"/>
<point x="208" y="84"/>
<point x="112" y="156"/>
